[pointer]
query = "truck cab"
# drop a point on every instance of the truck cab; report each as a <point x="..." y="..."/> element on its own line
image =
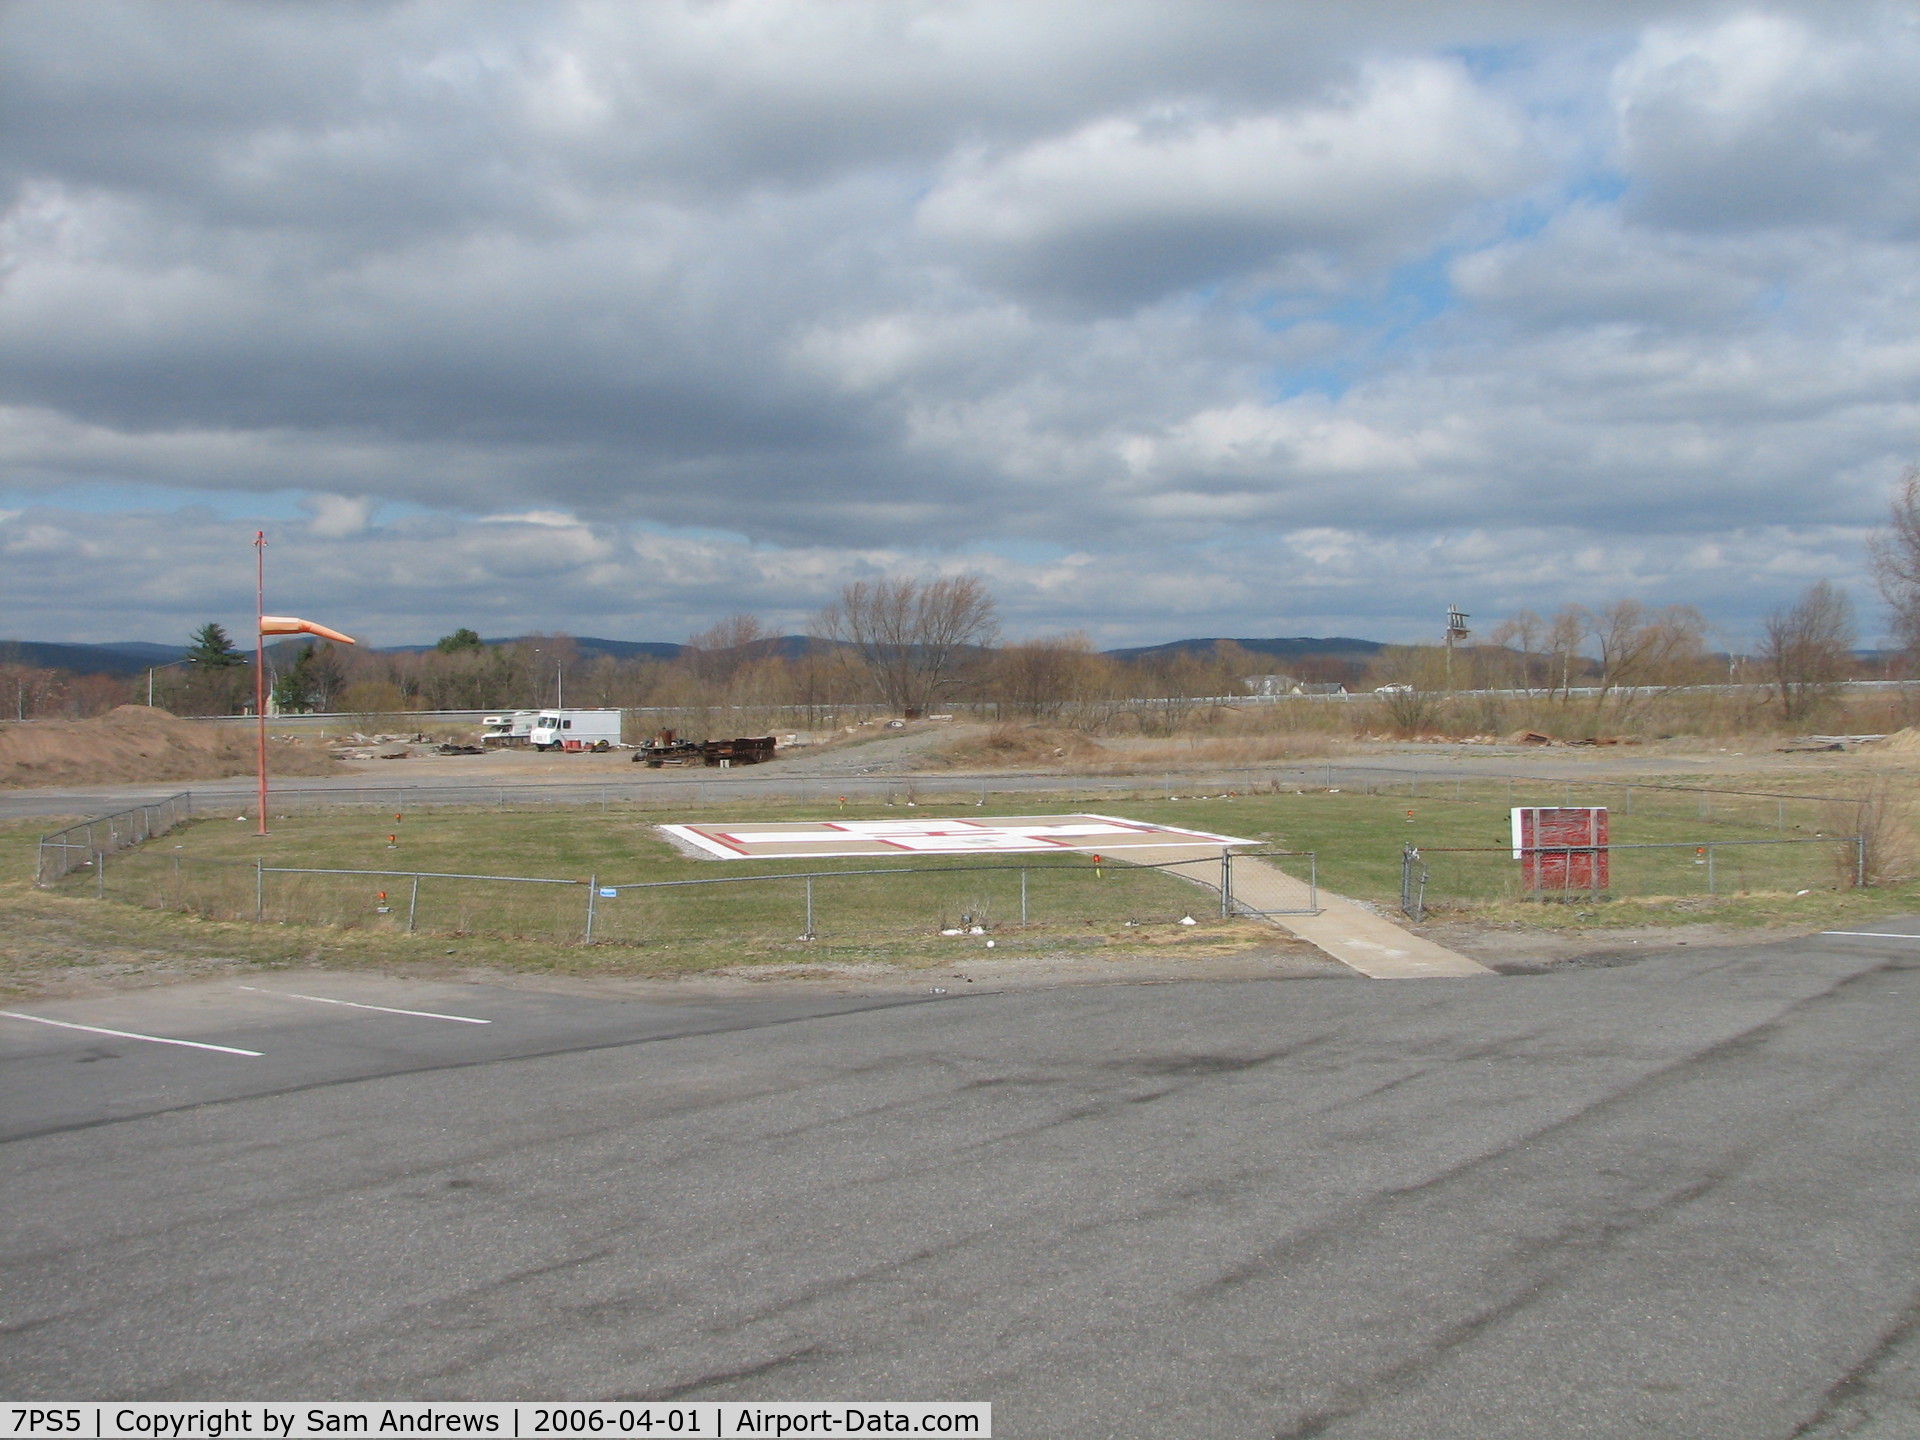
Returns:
<point x="549" y="730"/>
<point x="575" y="730"/>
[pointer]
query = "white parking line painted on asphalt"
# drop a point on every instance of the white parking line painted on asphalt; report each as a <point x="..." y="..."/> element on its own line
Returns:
<point x="355" y="1004"/>
<point x="1873" y="934"/>
<point x="129" y="1035"/>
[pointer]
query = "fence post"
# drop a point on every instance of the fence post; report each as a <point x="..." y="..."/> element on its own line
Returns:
<point x="1226" y="883"/>
<point x="1709" y="869"/>
<point x="1023" y="898"/>
<point x="593" y="894"/>
<point x="1860" y="861"/>
<point x="1313" y="881"/>
<point x="413" y="904"/>
<point x="259" y="889"/>
<point x="99" y="874"/>
<point x="809" y="934"/>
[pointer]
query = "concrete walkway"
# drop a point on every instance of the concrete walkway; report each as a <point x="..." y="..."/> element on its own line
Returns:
<point x="1342" y="928"/>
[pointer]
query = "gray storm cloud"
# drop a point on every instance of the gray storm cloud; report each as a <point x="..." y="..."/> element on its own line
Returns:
<point x="747" y="301"/>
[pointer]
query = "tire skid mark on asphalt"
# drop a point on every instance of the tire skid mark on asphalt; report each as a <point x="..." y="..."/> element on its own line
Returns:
<point x="721" y="1026"/>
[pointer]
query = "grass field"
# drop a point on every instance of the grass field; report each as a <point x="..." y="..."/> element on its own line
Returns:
<point x="1357" y="837"/>
<point x="198" y="884"/>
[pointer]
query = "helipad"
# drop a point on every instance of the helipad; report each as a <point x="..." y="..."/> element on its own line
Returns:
<point x="1005" y="835"/>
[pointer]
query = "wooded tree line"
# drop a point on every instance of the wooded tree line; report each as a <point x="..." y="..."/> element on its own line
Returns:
<point x="902" y="644"/>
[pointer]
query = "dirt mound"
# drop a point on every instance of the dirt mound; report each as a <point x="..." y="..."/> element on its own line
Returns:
<point x="137" y="743"/>
<point x="1901" y="742"/>
<point x="1021" y="745"/>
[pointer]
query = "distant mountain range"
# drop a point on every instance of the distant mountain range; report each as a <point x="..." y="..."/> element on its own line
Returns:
<point x="119" y="657"/>
<point x="132" y="657"/>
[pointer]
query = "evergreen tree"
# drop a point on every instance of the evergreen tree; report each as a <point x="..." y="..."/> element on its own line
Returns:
<point x="212" y="650"/>
<point x="461" y="639"/>
<point x="310" y="683"/>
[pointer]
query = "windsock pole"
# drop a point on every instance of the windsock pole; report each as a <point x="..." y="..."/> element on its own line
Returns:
<point x="263" y="626"/>
<point x="260" y="662"/>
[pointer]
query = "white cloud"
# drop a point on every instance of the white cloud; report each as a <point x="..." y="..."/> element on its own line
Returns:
<point x="1512" y="296"/>
<point x="1762" y="120"/>
<point x="335" y="517"/>
<point x="1130" y="206"/>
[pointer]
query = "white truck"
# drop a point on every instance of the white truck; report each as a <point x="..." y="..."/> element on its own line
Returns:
<point x="575" y="730"/>
<point x="508" y="728"/>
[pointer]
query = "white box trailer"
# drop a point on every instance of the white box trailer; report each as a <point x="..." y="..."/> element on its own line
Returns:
<point x="507" y="728"/>
<point x="574" y="729"/>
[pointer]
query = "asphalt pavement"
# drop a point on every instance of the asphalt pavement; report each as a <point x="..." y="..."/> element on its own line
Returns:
<point x="1669" y="1198"/>
<point x="506" y="780"/>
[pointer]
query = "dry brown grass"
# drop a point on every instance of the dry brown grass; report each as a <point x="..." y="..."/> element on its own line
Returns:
<point x="138" y="743"/>
<point x="1018" y="745"/>
<point x="1883" y="818"/>
<point x="1228" y="750"/>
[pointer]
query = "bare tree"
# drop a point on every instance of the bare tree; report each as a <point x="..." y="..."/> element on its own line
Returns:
<point x="1895" y="556"/>
<point x="1519" y="637"/>
<point x="1410" y="682"/>
<point x="1808" y="650"/>
<point x="1045" y="678"/>
<point x="1641" y="647"/>
<point x="915" y="639"/>
<point x="1565" y="636"/>
<point x="715" y="656"/>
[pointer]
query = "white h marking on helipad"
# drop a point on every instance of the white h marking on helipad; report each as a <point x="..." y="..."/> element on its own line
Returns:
<point x="128" y="1034"/>
<point x="355" y="1004"/>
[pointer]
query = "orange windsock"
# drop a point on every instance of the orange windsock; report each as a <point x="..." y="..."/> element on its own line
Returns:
<point x="288" y="625"/>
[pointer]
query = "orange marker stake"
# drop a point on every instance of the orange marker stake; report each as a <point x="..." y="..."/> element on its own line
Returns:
<point x="1096" y="868"/>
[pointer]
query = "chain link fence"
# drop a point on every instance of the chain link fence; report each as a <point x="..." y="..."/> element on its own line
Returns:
<point x="1069" y="893"/>
<point x="1468" y="876"/>
<point x="79" y="846"/>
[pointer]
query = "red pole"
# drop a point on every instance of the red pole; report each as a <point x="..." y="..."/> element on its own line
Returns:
<point x="260" y="662"/>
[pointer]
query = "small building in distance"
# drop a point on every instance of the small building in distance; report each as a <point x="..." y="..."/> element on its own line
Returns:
<point x="1269" y="685"/>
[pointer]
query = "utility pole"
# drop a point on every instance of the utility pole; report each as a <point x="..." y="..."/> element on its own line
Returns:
<point x="1456" y="632"/>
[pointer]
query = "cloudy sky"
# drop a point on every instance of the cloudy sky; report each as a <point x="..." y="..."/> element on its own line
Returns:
<point x="1168" y="319"/>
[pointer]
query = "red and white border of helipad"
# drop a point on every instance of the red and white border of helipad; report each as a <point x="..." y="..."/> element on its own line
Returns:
<point x="1024" y="835"/>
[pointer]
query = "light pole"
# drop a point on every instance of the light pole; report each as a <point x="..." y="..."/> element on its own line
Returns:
<point x="559" y="682"/>
<point x="150" y="672"/>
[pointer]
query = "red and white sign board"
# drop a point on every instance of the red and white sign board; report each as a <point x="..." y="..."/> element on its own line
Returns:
<point x="1562" y="847"/>
<point x="1014" y="835"/>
